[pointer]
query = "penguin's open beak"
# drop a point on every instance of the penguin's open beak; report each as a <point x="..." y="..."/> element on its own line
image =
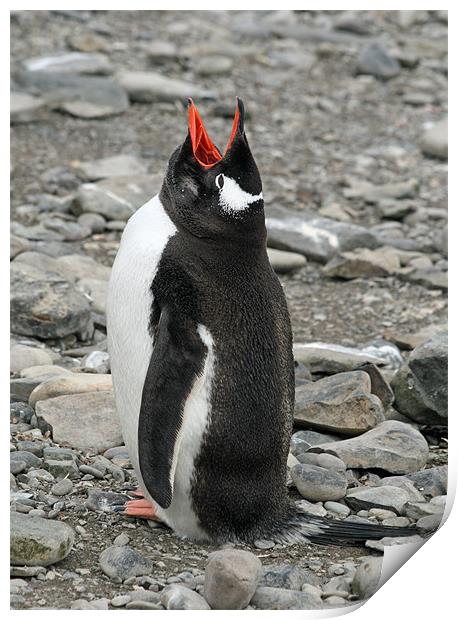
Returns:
<point x="205" y="152"/>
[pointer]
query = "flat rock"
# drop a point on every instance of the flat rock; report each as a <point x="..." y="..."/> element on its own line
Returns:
<point x="341" y="403"/>
<point x="363" y="263"/>
<point x="364" y="498"/>
<point x="284" y="262"/>
<point x="393" y="446"/>
<point x="367" y="577"/>
<point x="115" y="166"/>
<point x="150" y="87"/>
<point x="84" y="421"/>
<point x="176" y="596"/>
<point x="72" y="267"/>
<point x="23" y="356"/>
<point x="35" y="541"/>
<point x="328" y="461"/>
<point x="402" y="482"/>
<point x="74" y="383"/>
<point x="301" y="441"/>
<point x="25" y="108"/>
<point x="282" y="598"/>
<point x="378" y="194"/>
<point x="72" y="62"/>
<point x="409" y="340"/>
<point x="318" y="484"/>
<point x="375" y="60"/>
<point x="317" y="238"/>
<point x="429" y="523"/>
<point x="45" y="305"/>
<point x="231" y="577"/>
<point x="104" y="501"/>
<point x="379" y="386"/>
<point x="124" y="562"/>
<point x="434" y="141"/>
<point x="78" y="95"/>
<point x="421" y="386"/>
<point x="117" y="198"/>
<point x="333" y="358"/>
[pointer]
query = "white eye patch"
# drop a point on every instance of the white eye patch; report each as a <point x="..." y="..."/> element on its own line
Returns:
<point x="232" y="198"/>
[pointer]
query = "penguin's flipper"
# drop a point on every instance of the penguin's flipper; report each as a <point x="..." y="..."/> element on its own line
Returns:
<point x="177" y="360"/>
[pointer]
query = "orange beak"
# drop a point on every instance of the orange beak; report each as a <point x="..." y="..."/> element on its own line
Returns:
<point x="205" y="152"/>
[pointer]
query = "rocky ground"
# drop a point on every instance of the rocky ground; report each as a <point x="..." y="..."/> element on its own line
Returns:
<point x="347" y="120"/>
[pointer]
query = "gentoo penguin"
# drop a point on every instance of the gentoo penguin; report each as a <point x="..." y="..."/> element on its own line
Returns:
<point x="200" y="346"/>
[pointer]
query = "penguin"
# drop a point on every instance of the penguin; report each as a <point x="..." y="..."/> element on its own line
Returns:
<point x="200" y="346"/>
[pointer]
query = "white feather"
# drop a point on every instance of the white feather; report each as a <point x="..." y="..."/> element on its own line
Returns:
<point x="232" y="198"/>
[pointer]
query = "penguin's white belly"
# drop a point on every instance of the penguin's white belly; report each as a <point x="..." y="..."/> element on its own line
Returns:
<point x="130" y="345"/>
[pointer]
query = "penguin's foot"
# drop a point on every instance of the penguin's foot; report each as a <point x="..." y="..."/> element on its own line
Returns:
<point x="140" y="508"/>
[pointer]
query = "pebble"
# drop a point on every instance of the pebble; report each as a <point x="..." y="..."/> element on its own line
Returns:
<point x="63" y="487"/>
<point x="287" y="576"/>
<point x="120" y="601"/>
<point x="264" y="544"/>
<point x="284" y="262"/>
<point x="319" y="484"/>
<point x="231" y="577"/>
<point x="363" y="263"/>
<point x="121" y="540"/>
<point x="337" y="509"/>
<point x="176" y="596"/>
<point x="35" y="541"/>
<point x="25" y="108"/>
<point x="374" y="60"/>
<point x="434" y="141"/>
<point x="367" y="577"/>
<point x="120" y="563"/>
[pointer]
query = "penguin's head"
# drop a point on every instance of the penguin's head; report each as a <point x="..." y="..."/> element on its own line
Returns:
<point x="211" y="193"/>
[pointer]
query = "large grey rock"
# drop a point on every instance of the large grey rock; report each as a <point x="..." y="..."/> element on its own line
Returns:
<point x="176" y="596"/>
<point x="342" y="403"/>
<point x="78" y="95"/>
<point x="301" y="441"/>
<point x="421" y="385"/>
<point x="393" y="446"/>
<point x="282" y="598"/>
<point x="45" y="305"/>
<point x="387" y="497"/>
<point x="430" y="482"/>
<point x="319" y="484"/>
<point x="72" y="62"/>
<point x="367" y="577"/>
<point x="317" y="238"/>
<point x="149" y="87"/>
<point x="120" y="563"/>
<point x="117" y="198"/>
<point x="23" y="356"/>
<point x="115" y="166"/>
<point x="402" y="482"/>
<point x="231" y="577"/>
<point x="363" y="263"/>
<point x="74" y="383"/>
<point x="434" y="141"/>
<point x="35" y="541"/>
<point x="84" y="421"/>
<point x="25" y="108"/>
<point x="374" y="60"/>
<point x="333" y="358"/>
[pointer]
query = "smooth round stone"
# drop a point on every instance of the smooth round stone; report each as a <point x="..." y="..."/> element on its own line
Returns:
<point x="121" y="540"/>
<point x="231" y="577"/>
<point x="120" y="601"/>
<point x="37" y="512"/>
<point x="319" y="484"/>
<point x="123" y="562"/>
<point x="396" y="522"/>
<point x="335" y="601"/>
<point x="179" y="597"/>
<point x="23" y="356"/>
<point x="367" y="577"/>
<point x="63" y="487"/>
<point x="381" y="514"/>
<point x="338" y="509"/>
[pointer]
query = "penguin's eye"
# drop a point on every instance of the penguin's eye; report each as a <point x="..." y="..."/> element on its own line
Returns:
<point x="220" y="181"/>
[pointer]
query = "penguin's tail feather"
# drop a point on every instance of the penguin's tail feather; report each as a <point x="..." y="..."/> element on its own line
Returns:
<point x="303" y="527"/>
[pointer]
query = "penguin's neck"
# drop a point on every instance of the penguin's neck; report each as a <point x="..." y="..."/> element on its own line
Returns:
<point x="248" y="233"/>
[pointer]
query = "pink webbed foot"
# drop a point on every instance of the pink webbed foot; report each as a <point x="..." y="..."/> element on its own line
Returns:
<point x="141" y="509"/>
